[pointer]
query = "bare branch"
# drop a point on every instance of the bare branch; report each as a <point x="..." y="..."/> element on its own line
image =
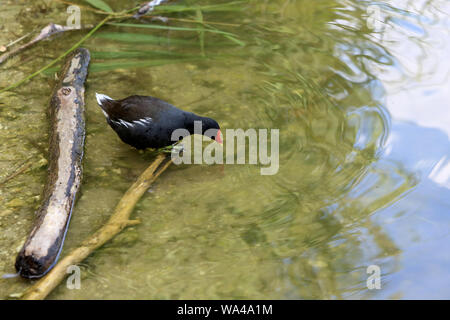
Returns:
<point x="116" y="223"/>
<point x="49" y="30"/>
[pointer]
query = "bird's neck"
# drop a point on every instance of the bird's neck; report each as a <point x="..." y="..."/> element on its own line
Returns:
<point x="191" y="127"/>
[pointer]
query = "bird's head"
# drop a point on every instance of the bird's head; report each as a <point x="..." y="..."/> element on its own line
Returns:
<point x="211" y="129"/>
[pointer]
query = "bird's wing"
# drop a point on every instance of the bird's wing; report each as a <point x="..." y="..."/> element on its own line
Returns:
<point x="139" y="109"/>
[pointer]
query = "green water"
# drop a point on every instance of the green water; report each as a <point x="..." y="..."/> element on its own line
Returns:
<point x="364" y="173"/>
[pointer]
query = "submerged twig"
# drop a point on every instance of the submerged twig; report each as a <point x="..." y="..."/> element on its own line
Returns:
<point x="45" y="33"/>
<point x="17" y="40"/>
<point x="116" y="223"/>
<point x="21" y="169"/>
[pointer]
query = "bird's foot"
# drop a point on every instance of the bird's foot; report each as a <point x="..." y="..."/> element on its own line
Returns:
<point x="179" y="148"/>
<point x="173" y="149"/>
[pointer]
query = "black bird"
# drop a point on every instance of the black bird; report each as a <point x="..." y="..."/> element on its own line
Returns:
<point x="148" y="122"/>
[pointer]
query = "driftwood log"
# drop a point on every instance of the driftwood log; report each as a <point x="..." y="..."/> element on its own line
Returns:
<point x="43" y="246"/>
<point x="116" y="223"/>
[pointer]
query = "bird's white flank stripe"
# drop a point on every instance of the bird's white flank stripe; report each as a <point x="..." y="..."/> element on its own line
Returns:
<point x="101" y="97"/>
<point x="143" y="121"/>
<point x="127" y="124"/>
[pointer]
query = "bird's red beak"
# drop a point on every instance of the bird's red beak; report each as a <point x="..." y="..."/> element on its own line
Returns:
<point x="219" y="137"/>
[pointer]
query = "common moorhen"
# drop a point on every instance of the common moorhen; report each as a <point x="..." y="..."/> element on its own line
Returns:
<point x="148" y="122"/>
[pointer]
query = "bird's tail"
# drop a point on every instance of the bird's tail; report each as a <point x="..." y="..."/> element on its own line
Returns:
<point x="102" y="99"/>
<point x="104" y="102"/>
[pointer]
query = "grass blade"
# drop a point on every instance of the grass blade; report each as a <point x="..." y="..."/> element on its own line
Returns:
<point x="100" y="4"/>
<point x="142" y="38"/>
<point x="138" y="54"/>
<point x="201" y="33"/>
<point x="231" y="6"/>
<point x="230" y="37"/>
<point x="113" y="65"/>
<point x="156" y="26"/>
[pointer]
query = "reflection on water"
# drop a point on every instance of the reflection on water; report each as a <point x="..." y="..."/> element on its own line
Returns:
<point x="364" y="164"/>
